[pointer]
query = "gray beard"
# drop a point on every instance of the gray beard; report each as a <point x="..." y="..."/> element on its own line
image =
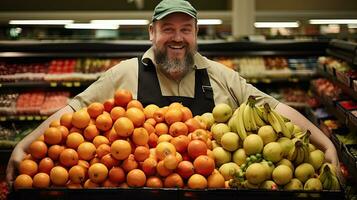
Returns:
<point x="173" y="68"/>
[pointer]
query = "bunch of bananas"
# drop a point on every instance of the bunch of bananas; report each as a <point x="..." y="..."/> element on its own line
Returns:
<point x="328" y="178"/>
<point x="247" y="118"/>
<point x="299" y="153"/>
<point x="276" y="121"/>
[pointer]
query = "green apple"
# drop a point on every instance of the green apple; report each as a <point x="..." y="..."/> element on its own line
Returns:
<point x="273" y="152"/>
<point x="253" y="144"/>
<point x="218" y="130"/>
<point x="267" y="134"/>
<point x="222" y="112"/>
<point x="239" y="156"/>
<point x="282" y="174"/>
<point x="316" y="158"/>
<point x="294" y="184"/>
<point x="221" y="156"/>
<point x="255" y="173"/>
<point x="230" y="141"/>
<point x="208" y="119"/>
<point x="304" y="171"/>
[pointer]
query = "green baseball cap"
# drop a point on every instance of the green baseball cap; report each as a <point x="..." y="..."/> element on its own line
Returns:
<point x="166" y="7"/>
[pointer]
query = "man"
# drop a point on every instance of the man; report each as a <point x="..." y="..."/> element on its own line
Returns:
<point x="172" y="70"/>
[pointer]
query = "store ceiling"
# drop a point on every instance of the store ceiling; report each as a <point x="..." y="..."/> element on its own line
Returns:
<point x="266" y="10"/>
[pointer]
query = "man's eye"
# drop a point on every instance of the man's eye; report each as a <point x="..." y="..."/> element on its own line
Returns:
<point x="186" y="30"/>
<point x="167" y="30"/>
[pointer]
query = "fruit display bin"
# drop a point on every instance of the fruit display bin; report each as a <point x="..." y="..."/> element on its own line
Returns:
<point x="350" y="158"/>
<point x="172" y="194"/>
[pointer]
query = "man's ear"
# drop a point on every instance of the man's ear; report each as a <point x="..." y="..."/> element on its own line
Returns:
<point x="151" y="31"/>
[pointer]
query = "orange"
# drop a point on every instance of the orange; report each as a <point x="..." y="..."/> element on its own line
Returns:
<point x="90" y="132"/>
<point x="122" y="97"/>
<point x="97" y="173"/>
<point x="41" y="138"/>
<point x="90" y="184"/>
<point x="117" y="112"/>
<point x="38" y="149"/>
<point x="100" y="139"/>
<point x="124" y="127"/>
<point x="75" y="129"/>
<point x="135" y="104"/>
<point x="64" y="130"/>
<point x="170" y="162"/>
<point x="164" y="138"/>
<point x="136" y="178"/>
<point x="104" y="122"/>
<point x="52" y="135"/>
<point x="28" y="167"/>
<point x="84" y="164"/>
<point x="163" y="149"/>
<point x="68" y="157"/>
<point x="136" y="115"/>
<point x="45" y="165"/>
<point x="77" y="174"/>
<point x="185" y="169"/>
<point x="94" y="160"/>
<point x="151" y="121"/>
<point x="149" y="166"/>
<point x="80" y="118"/>
<point x="41" y="180"/>
<point x="173" y="115"/>
<point x="149" y="110"/>
<point x="109" y="184"/>
<point x="71" y="185"/>
<point x="175" y="105"/>
<point x="55" y="123"/>
<point x="197" y="181"/>
<point x="74" y="140"/>
<point x="180" y="142"/>
<point x="161" y="128"/>
<point x="204" y="165"/>
<point x="178" y="128"/>
<point x="95" y="109"/>
<point x="111" y="135"/>
<point x="129" y="164"/>
<point x="196" y="148"/>
<point x="109" y="161"/>
<point x="162" y="170"/>
<point x="215" y="180"/>
<point x="54" y="151"/>
<point x="102" y="150"/>
<point x="200" y="134"/>
<point x="116" y="175"/>
<point x="120" y="149"/>
<point x="140" y="136"/>
<point x="86" y="151"/>
<point x="152" y="140"/>
<point x="109" y="105"/>
<point x="59" y="176"/>
<point x="192" y="124"/>
<point x="186" y="113"/>
<point x="149" y="127"/>
<point x="159" y="115"/>
<point x="174" y="180"/>
<point x="141" y="153"/>
<point x="66" y="120"/>
<point x="154" y="182"/>
<point x="23" y="181"/>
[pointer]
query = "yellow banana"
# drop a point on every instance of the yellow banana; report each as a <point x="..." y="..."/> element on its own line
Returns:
<point x="246" y="118"/>
<point x="335" y="185"/>
<point x="284" y="129"/>
<point x="306" y="153"/>
<point x="299" y="157"/>
<point x="257" y="118"/>
<point x="262" y="113"/>
<point x="240" y="124"/>
<point x="253" y="123"/>
<point x="292" y="154"/>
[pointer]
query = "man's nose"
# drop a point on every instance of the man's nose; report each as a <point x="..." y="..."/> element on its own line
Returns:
<point x="177" y="36"/>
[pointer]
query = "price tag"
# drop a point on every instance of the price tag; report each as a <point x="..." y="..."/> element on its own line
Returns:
<point x="77" y="84"/>
<point x="68" y="84"/>
<point x="266" y="80"/>
<point x="44" y="117"/>
<point x="2" y="119"/>
<point x="30" y="118"/>
<point x="22" y="118"/>
<point x="53" y="84"/>
<point x="37" y="117"/>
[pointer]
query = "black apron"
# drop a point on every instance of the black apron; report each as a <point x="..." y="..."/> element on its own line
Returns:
<point x="149" y="91"/>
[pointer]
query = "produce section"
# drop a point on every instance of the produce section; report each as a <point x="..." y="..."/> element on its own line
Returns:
<point x="280" y="63"/>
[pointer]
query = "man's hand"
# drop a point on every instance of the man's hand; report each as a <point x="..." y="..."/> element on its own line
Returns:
<point x="16" y="157"/>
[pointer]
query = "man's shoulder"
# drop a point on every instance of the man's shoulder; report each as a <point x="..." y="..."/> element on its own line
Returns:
<point x="126" y="63"/>
<point x="218" y="67"/>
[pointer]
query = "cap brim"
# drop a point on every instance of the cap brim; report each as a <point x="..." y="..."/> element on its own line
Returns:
<point x="164" y="14"/>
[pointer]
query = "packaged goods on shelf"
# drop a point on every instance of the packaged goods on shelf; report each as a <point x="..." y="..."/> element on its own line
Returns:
<point x="8" y="103"/>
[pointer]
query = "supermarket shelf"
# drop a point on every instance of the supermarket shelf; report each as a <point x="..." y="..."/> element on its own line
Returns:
<point x="293" y="78"/>
<point x="344" y="50"/>
<point x="346" y="89"/>
<point x="4" y="118"/>
<point x="45" y="84"/>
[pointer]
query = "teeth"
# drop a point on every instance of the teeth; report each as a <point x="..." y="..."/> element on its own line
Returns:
<point x="176" y="47"/>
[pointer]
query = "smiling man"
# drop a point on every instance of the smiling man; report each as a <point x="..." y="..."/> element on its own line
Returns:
<point x="173" y="71"/>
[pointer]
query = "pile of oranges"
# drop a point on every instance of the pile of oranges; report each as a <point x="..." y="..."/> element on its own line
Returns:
<point x="120" y="143"/>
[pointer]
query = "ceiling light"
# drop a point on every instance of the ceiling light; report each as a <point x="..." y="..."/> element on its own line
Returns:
<point x="333" y="21"/>
<point x="122" y="22"/>
<point x="91" y="26"/>
<point x="40" y="22"/>
<point x="276" y="24"/>
<point x="209" y="21"/>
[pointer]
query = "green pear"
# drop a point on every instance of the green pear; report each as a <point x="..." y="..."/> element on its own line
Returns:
<point x="221" y="156"/>
<point x="304" y="171"/>
<point x="313" y="184"/>
<point x="228" y="170"/>
<point x="253" y="144"/>
<point x="316" y="158"/>
<point x="230" y="141"/>
<point x="239" y="156"/>
<point x="294" y="184"/>
<point x="282" y="174"/>
<point x="273" y="152"/>
<point x="222" y="112"/>
<point x="256" y="173"/>
<point x="218" y="130"/>
<point x="267" y="134"/>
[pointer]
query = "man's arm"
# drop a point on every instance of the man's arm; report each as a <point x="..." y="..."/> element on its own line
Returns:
<point x="18" y="152"/>
<point x="318" y="138"/>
